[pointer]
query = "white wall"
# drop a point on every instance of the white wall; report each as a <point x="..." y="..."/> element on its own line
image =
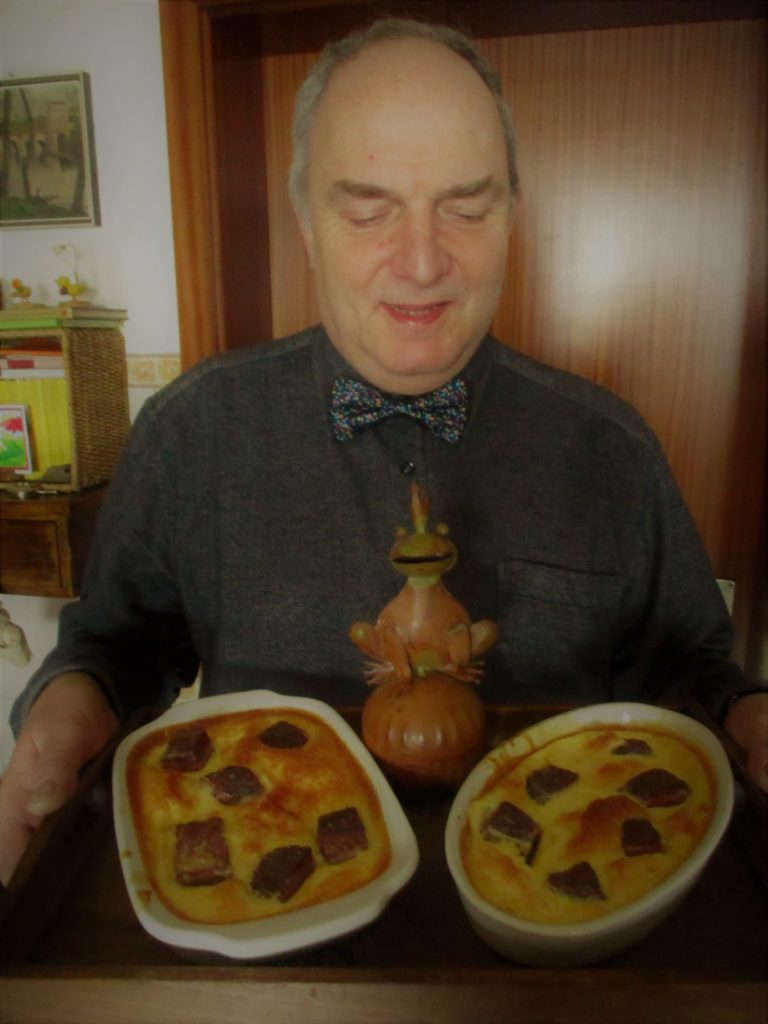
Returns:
<point x="128" y="259"/>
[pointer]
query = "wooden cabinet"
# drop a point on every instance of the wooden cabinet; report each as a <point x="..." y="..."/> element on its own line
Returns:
<point x="80" y="419"/>
<point x="44" y="542"/>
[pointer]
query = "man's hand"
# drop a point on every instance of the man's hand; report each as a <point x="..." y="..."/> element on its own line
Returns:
<point x="69" y="722"/>
<point x="747" y="723"/>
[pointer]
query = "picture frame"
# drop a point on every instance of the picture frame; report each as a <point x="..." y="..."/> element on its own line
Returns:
<point x="15" y="442"/>
<point x="47" y="158"/>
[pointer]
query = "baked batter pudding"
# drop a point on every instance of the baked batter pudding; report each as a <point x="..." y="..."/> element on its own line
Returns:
<point x="587" y="823"/>
<point x="247" y="815"/>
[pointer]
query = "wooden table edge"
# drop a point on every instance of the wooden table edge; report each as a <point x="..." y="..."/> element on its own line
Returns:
<point x="283" y="996"/>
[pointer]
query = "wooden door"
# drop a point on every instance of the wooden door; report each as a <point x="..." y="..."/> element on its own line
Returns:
<point x="638" y="255"/>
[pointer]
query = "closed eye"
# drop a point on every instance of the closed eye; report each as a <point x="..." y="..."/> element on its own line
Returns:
<point x="471" y="202"/>
<point x="469" y="215"/>
<point x="363" y="218"/>
<point x="365" y="212"/>
<point x="361" y="204"/>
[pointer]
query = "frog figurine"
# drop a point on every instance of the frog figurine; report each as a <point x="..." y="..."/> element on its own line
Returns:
<point x="423" y="629"/>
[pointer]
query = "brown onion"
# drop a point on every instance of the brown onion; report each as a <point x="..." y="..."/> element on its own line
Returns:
<point x="427" y="731"/>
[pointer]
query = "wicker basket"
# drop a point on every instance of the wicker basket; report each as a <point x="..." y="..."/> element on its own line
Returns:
<point x="97" y="398"/>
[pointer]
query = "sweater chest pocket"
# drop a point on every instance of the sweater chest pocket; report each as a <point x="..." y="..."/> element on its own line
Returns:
<point x="556" y="621"/>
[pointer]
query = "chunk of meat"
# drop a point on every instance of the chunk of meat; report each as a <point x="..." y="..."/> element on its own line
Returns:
<point x="510" y="822"/>
<point x="543" y="783"/>
<point x="341" y="835"/>
<point x="599" y="825"/>
<point x="202" y="855"/>
<point x="234" y="784"/>
<point x="283" y="871"/>
<point x="578" y="882"/>
<point x="188" y="749"/>
<point x="657" y="788"/>
<point x="283" y="735"/>
<point x="638" y="836"/>
<point x="633" y="745"/>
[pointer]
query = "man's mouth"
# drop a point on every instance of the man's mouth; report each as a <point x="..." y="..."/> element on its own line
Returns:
<point x="418" y="315"/>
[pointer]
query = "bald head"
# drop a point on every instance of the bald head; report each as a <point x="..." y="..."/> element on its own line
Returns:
<point x="337" y="54"/>
<point x="419" y="109"/>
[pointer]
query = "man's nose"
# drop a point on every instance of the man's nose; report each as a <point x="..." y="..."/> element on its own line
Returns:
<point x="421" y="255"/>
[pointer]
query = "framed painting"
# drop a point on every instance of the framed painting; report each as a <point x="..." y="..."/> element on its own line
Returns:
<point x="15" y="446"/>
<point x="47" y="162"/>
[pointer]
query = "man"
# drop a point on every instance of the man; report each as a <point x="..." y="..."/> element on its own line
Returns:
<point x="249" y="522"/>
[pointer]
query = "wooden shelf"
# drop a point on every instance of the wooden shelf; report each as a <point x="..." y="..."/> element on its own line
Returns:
<point x="44" y="542"/>
<point x="96" y="420"/>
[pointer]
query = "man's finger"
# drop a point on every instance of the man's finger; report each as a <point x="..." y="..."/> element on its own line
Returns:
<point x="48" y="795"/>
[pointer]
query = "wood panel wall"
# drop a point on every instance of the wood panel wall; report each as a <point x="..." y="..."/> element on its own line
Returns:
<point x="638" y="254"/>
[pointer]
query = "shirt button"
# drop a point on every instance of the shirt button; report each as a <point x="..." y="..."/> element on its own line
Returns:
<point x="407" y="468"/>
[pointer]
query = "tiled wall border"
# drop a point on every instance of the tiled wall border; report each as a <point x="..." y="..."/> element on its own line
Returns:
<point x="152" y="371"/>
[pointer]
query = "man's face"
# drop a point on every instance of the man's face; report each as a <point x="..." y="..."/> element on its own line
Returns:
<point x="408" y="213"/>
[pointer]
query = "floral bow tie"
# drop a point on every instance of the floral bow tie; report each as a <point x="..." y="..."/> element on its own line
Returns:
<point x="356" y="405"/>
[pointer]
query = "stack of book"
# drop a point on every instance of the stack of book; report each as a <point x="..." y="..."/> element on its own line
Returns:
<point x="30" y="362"/>
<point x="30" y="317"/>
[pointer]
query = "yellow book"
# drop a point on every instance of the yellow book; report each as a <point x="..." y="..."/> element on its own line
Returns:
<point x="48" y="417"/>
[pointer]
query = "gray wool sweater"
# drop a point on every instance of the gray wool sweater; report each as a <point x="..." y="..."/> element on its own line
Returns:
<point x="238" y="532"/>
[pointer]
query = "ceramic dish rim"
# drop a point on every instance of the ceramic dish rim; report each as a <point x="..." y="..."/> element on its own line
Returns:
<point x="656" y="899"/>
<point x="282" y="933"/>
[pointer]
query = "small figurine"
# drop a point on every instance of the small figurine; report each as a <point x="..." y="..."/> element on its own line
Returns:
<point x="68" y="287"/>
<point x="74" y="289"/>
<point x="423" y="629"/>
<point x="13" y="642"/>
<point x="20" y="291"/>
<point x="423" y="721"/>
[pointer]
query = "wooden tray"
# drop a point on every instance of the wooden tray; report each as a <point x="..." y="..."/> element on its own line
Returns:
<point x="72" y="949"/>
